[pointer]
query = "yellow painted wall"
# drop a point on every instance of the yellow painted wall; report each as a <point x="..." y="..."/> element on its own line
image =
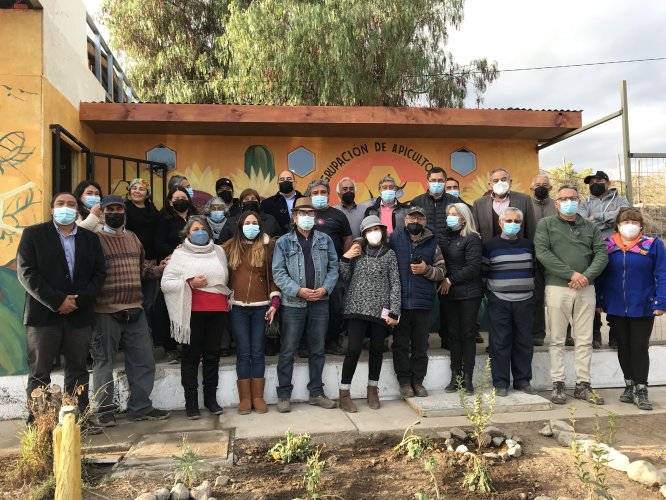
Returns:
<point x="203" y="159"/>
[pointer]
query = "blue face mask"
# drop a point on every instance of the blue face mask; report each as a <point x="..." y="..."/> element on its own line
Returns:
<point x="511" y="228"/>
<point x="455" y="193"/>
<point x="64" y="215"/>
<point x="251" y="231"/>
<point x="436" y="187"/>
<point x="568" y="207"/>
<point x="319" y="201"/>
<point x="217" y="215"/>
<point x="388" y="195"/>
<point x="305" y="222"/>
<point x="91" y="201"/>
<point x="453" y="221"/>
<point x="190" y="191"/>
<point x="200" y="237"/>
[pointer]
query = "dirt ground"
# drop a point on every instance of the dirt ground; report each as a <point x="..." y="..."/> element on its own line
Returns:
<point x="367" y="468"/>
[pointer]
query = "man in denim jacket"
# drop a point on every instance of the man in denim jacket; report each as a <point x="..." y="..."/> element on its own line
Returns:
<point x="305" y="268"/>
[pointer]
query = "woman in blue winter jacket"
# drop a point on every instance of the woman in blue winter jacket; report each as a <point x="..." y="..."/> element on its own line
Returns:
<point x="632" y="291"/>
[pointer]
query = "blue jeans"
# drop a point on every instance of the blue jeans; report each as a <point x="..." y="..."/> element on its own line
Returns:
<point x="247" y="327"/>
<point x="311" y="321"/>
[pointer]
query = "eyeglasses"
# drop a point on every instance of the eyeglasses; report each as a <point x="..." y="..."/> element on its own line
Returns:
<point x="568" y="198"/>
<point x="415" y="217"/>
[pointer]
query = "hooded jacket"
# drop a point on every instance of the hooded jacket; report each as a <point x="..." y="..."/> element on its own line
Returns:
<point x="603" y="210"/>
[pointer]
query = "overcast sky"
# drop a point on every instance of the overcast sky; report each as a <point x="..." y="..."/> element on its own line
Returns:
<point x="532" y="33"/>
<point x="529" y="33"/>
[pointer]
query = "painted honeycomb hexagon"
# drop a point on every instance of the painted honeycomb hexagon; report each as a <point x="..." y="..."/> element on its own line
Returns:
<point x="163" y="154"/>
<point x="463" y="161"/>
<point x="301" y="161"/>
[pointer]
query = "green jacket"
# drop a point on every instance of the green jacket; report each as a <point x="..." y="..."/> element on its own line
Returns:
<point x="564" y="248"/>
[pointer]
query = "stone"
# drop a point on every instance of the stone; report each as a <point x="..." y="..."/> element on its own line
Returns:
<point x="146" y="496"/>
<point x="441" y="404"/>
<point x="201" y="492"/>
<point x="560" y="425"/>
<point x="180" y="492"/>
<point x="490" y="455"/>
<point x="497" y="441"/>
<point x="444" y="434"/>
<point x="458" y="433"/>
<point x="493" y="431"/>
<point x="645" y="473"/>
<point x="485" y="440"/>
<point x="461" y="449"/>
<point x="616" y="460"/>
<point x="163" y="494"/>
<point x="546" y="431"/>
<point x="662" y="490"/>
<point x="515" y="451"/>
<point x="517" y="438"/>
<point x="221" y="481"/>
<point x="522" y="495"/>
<point x="504" y="456"/>
<point x="566" y="438"/>
<point x="510" y="443"/>
<point x="449" y="444"/>
<point x="542" y="497"/>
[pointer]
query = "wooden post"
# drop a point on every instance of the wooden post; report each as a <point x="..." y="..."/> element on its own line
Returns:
<point x="68" y="457"/>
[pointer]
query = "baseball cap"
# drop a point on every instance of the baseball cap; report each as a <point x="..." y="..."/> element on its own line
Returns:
<point x="598" y="175"/>
<point x="416" y="210"/>
<point x="112" y="199"/>
<point x="224" y="181"/>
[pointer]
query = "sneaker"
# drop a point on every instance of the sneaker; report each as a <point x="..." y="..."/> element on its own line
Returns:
<point x="172" y="357"/>
<point x="153" y="414"/>
<point x="502" y="392"/>
<point x="628" y="395"/>
<point x="527" y="389"/>
<point x="558" y="395"/>
<point x="322" y="401"/>
<point x="584" y="391"/>
<point x="641" y="397"/>
<point x="537" y="341"/>
<point x="569" y="342"/>
<point x="284" y="405"/>
<point x="420" y="391"/>
<point x="596" y="344"/>
<point x="105" y="420"/>
<point x="406" y="391"/>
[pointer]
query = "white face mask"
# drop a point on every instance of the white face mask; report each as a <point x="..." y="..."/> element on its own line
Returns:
<point x="629" y="231"/>
<point x="374" y="237"/>
<point x="501" y="188"/>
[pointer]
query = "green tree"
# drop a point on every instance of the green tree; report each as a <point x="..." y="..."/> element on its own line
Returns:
<point x="566" y="174"/>
<point x="349" y="52"/>
<point x="169" y="47"/>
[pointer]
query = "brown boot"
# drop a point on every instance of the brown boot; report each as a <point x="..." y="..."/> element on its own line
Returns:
<point x="346" y="402"/>
<point x="244" y="396"/>
<point x="373" y="397"/>
<point x="258" y="402"/>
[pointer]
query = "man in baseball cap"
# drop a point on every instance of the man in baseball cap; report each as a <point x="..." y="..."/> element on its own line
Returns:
<point x="601" y="207"/>
<point x="225" y="190"/>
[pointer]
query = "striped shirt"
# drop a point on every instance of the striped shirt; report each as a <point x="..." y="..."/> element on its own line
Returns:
<point x="508" y="268"/>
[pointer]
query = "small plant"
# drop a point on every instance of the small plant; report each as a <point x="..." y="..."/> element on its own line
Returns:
<point x="291" y="448"/>
<point x="412" y="444"/>
<point x="477" y="478"/>
<point x="187" y="465"/>
<point x="593" y="476"/>
<point x="313" y="474"/>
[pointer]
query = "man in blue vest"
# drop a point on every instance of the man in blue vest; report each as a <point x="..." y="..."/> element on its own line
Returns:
<point x="421" y="266"/>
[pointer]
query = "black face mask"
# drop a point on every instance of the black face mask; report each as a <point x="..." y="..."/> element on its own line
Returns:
<point x="286" y="187"/>
<point x="181" y="205"/>
<point x="251" y="206"/>
<point x="415" y="228"/>
<point x="348" y="197"/>
<point x="541" y="192"/>
<point x="114" y="220"/>
<point x="227" y="196"/>
<point x="597" y="189"/>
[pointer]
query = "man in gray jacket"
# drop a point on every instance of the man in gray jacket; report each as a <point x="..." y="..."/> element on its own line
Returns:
<point x="601" y="207"/>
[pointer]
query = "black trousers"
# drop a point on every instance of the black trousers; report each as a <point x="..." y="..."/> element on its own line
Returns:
<point x="410" y="346"/>
<point x="206" y="332"/>
<point x="46" y="343"/>
<point x="356" y="330"/>
<point x="335" y="308"/>
<point x="539" y="329"/>
<point x="511" y="345"/>
<point x="633" y="341"/>
<point x="462" y="317"/>
<point x="160" y="325"/>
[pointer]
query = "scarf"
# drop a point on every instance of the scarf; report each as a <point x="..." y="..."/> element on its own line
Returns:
<point x="216" y="227"/>
<point x="187" y="262"/>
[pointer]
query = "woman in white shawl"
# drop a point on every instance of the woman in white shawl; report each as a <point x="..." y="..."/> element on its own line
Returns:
<point x="196" y="294"/>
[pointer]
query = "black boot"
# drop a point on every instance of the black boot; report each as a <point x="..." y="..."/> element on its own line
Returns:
<point x="210" y="401"/>
<point x="467" y="384"/>
<point x="453" y="385"/>
<point x="209" y="372"/>
<point x="192" y="404"/>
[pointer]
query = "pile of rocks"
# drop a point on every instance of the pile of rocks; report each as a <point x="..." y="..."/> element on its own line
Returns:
<point x="500" y="446"/>
<point x="640" y="471"/>
<point x="182" y="492"/>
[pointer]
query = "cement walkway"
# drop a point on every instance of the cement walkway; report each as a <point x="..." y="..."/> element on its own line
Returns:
<point x="394" y="416"/>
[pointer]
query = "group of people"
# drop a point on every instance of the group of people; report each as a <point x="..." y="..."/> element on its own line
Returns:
<point x="109" y="273"/>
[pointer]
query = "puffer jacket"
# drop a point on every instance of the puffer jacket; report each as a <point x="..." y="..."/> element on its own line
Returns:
<point x="634" y="282"/>
<point x="462" y="255"/>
